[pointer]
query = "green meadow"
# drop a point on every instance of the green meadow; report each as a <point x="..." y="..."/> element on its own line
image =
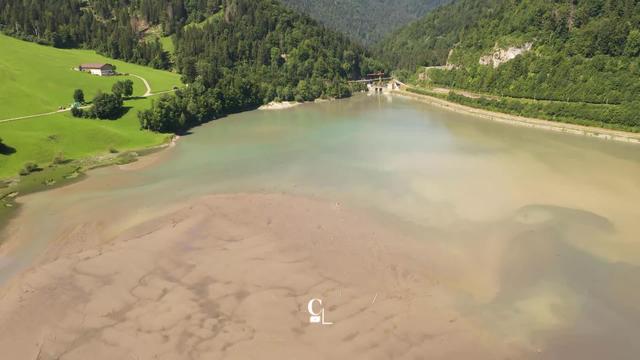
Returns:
<point x="167" y="44"/>
<point x="40" y="139"/>
<point x="37" y="79"/>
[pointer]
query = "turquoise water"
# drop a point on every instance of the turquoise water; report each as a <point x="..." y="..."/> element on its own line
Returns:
<point x="539" y="231"/>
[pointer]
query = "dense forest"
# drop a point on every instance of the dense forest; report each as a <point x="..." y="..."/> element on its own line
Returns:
<point x="366" y="21"/>
<point x="582" y="50"/>
<point x="250" y="53"/>
<point x="113" y="28"/>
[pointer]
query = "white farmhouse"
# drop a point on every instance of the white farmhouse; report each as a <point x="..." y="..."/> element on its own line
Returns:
<point x="98" y="69"/>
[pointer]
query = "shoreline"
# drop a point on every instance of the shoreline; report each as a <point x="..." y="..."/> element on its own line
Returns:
<point x="596" y="132"/>
<point x="75" y="171"/>
<point x="279" y="105"/>
<point x="11" y="205"/>
<point x="283" y="105"/>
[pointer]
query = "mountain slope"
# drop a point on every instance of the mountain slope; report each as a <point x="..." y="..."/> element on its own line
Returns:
<point x="114" y="29"/>
<point x="366" y="21"/>
<point x="581" y="50"/>
<point x="428" y="41"/>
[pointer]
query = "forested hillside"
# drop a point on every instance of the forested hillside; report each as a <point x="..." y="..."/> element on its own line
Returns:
<point x="582" y="50"/>
<point x="233" y="54"/>
<point x="366" y="21"/>
<point x="113" y="28"/>
<point x="427" y="42"/>
<point x="252" y="52"/>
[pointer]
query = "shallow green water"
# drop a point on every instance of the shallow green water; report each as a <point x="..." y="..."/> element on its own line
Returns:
<point x="540" y="231"/>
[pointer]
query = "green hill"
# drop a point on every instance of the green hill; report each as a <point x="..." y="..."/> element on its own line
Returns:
<point x="366" y="21"/>
<point x="37" y="79"/>
<point x="40" y="139"/>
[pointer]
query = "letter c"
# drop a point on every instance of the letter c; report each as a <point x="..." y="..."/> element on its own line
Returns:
<point x="310" y="306"/>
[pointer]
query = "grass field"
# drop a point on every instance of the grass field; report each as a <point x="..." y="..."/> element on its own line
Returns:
<point x="38" y="79"/>
<point x="40" y="139"/>
<point x="167" y="44"/>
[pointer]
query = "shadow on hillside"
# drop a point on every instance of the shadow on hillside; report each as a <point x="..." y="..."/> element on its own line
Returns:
<point x="6" y="149"/>
<point x="189" y="131"/>
<point x="122" y="112"/>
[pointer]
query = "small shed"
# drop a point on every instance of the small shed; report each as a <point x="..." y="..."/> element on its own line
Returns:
<point x="98" y="69"/>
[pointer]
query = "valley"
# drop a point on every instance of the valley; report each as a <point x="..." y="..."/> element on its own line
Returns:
<point x="344" y="179"/>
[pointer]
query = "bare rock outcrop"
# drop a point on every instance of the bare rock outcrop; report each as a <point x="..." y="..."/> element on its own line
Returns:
<point x="501" y="56"/>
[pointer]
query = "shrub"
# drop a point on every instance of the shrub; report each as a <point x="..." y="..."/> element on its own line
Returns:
<point x="59" y="158"/>
<point x="123" y="88"/>
<point x="28" y="168"/>
<point x="78" y="96"/>
<point x="77" y="112"/>
<point x="107" y="106"/>
<point x="89" y="113"/>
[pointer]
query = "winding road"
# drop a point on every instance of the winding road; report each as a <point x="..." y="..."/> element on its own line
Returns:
<point x="32" y="116"/>
<point x="146" y="84"/>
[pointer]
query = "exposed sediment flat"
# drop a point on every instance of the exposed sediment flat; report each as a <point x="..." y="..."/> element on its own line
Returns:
<point x="230" y="276"/>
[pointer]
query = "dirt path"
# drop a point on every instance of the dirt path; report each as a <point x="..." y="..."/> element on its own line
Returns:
<point x="146" y="84"/>
<point x="32" y="116"/>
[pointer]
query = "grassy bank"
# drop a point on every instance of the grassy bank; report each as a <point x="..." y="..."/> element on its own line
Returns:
<point x="41" y="139"/>
<point x="58" y="174"/>
<point x="38" y="79"/>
